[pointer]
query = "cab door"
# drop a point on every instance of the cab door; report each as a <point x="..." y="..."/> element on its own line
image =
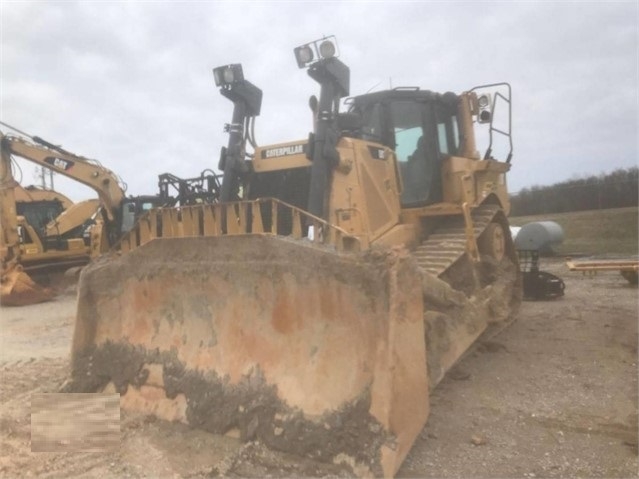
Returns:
<point x="417" y="152"/>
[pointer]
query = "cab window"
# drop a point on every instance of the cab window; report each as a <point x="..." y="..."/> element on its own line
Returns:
<point x="412" y="150"/>
<point x="447" y="131"/>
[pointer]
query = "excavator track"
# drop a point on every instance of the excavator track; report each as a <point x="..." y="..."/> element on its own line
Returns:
<point x="447" y="245"/>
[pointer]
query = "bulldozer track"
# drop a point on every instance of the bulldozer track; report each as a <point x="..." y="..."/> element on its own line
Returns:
<point x="443" y="248"/>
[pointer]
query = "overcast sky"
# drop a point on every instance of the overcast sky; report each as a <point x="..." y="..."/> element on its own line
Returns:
<point x="130" y="83"/>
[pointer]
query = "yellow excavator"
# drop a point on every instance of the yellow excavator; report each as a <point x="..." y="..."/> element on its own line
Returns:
<point x="64" y="239"/>
<point x="48" y="213"/>
<point x="42" y="231"/>
<point x="52" y="212"/>
<point x="333" y="286"/>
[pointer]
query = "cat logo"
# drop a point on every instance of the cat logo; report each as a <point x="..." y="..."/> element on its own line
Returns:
<point x="59" y="163"/>
<point x="283" y="151"/>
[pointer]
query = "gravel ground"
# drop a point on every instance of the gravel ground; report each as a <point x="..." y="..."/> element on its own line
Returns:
<point x="554" y="395"/>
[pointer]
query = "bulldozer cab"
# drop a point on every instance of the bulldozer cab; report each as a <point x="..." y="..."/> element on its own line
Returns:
<point x="421" y="127"/>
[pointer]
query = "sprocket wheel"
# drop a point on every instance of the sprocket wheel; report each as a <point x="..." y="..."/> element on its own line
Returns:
<point x="492" y="241"/>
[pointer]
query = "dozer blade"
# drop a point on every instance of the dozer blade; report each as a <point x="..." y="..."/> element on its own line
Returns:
<point x="18" y="289"/>
<point x="312" y="352"/>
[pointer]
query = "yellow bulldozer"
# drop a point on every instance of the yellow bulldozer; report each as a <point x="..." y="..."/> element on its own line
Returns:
<point x="338" y="279"/>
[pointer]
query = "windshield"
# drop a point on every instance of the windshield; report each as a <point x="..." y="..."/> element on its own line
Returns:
<point x="409" y="126"/>
<point x="411" y="148"/>
<point x="407" y="142"/>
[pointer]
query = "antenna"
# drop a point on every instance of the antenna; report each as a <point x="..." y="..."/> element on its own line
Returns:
<point x="374" y="86"/>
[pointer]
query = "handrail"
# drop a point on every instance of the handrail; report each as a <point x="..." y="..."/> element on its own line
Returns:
<point x="492" y="128"/>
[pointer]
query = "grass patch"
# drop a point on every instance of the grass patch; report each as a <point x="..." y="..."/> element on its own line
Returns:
<point x="597" y="232"/>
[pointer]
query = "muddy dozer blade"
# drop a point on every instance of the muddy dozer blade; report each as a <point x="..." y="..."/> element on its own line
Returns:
<point x="18" y="289"/>
<point x="312" y="352"/>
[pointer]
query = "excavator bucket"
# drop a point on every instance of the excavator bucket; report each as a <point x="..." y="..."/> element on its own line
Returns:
<point x="18" y="289"/>
<point x="311" y="351"/>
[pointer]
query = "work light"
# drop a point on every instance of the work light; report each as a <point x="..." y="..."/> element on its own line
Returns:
<point x="315" y="51"/>
<point x="304" y="55"/>
<point x="484" y="100"/>
<point x="228" y="74"/>
<point x="484" y="108"/>
<point x="327" y="49"/>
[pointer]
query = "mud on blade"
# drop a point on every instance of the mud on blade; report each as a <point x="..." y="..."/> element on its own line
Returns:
<point x="309" y="351"/>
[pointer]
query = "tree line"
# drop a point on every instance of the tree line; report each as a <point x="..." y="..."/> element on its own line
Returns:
<point x="617" y="189"/>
